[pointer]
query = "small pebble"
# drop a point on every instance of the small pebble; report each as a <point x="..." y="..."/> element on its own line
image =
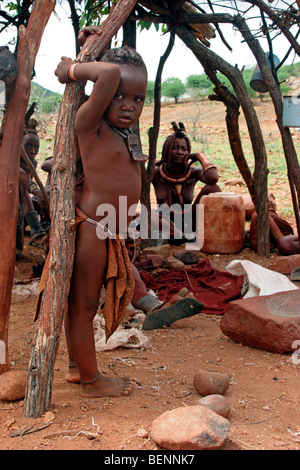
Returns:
<point x="142" y="433"/>
<point x="48" y="417"/>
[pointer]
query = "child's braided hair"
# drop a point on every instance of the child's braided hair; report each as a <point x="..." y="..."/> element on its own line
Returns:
<point x="123" y="56"/>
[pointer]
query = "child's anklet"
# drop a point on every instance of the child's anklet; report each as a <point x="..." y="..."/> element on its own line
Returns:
<point x="91" y="381"/>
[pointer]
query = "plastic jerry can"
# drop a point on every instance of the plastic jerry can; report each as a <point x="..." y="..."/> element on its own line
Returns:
<point x="224" y="223"/>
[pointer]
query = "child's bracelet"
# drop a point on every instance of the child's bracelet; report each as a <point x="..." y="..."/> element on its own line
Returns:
<point x="70" y="73"/>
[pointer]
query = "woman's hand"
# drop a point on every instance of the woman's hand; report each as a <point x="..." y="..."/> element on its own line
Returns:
<point x="194" y="157"/>
<point x="201" y="158"/>
<point x="62" y="69"/>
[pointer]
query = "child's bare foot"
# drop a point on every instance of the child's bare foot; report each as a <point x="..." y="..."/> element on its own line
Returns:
<point x="73" y="375"/>
<point x="106" y="387"/>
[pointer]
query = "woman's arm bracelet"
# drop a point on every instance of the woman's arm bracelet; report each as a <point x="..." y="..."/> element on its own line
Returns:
<point x="205" y="162"/>
<point x="207" y="166"/>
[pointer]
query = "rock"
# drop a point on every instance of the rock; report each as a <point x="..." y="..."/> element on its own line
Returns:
<point x="210" y="383"/>
<point x="268" y="322"/>
<point x="9" y="422"/>
<point x="13" y="385"/>
<point x="187" y="256"/>
<point x="174" y="263"/>
<point x="216" y="403"/>
<point x="49" y="416"/>
<point x="163" y="250"/>
<point x="141" y="432"/>
<point x="157" y="260"/>
<point x="295" y="274"/>
<point x="190" y="428"/>
<point x="286" y="264"/>
<point x="235" y="182"/>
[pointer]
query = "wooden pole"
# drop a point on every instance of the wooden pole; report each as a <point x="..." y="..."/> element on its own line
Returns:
<point x="293" y="167"/>
<point x="62" y="239"/>
<point x="209" y="58"/>
<point x="232" y="121"/>
<point x="153" y="136"/>
<point x="29" y="42"/>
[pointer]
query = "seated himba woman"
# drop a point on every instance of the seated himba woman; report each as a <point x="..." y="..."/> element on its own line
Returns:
<point x="27" y="186"/>
<point x="174" y="178"/>
<point x="282" y="235"/>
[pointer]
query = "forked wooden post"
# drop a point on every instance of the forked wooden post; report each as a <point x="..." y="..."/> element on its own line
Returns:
<point x="29" y="42"/>
<point x="62" y="242"/>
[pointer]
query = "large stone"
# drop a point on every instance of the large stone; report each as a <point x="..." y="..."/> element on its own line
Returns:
<point x="13" y="385"/>
<point x="190" y="428"/>
<point x="269" y="322"/>
<point x="286" y="264"/>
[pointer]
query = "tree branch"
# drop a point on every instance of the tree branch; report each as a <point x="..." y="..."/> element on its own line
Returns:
<point x="278" y="22"/>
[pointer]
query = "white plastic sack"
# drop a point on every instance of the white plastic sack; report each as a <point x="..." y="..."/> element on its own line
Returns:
<point x="20" y="292"/>
<point x="259" y="280"/>
<point x="122" y="337"/>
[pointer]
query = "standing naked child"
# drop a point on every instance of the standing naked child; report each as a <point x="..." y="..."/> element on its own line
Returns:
<point x="112" y="169"/>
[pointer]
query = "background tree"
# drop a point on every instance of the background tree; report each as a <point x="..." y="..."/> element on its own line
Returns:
<point x="197" y="86"/>
<point x="173" y="88"/>
<point x="15" y="13"/>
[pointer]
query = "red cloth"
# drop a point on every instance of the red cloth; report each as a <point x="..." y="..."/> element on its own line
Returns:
<point x="212" y="287"/>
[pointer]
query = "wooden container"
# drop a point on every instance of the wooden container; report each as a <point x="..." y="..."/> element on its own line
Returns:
<point x="224" y="223"/>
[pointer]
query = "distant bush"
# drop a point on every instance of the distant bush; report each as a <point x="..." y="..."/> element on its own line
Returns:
<point x="47" y="101"/>
<point x="198" y="86"/>
<point x="173" y="88"/>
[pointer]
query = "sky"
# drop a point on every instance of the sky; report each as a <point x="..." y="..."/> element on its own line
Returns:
<point x="58" y="40"/>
